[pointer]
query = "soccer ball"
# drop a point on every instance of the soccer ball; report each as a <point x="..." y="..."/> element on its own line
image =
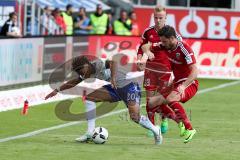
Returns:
<point x="100" y="135"/>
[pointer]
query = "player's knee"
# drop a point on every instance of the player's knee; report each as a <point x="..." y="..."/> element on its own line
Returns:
<point x="155" y="101"/>
<point x="170" y="99"/>
<point x="151" y="102"/>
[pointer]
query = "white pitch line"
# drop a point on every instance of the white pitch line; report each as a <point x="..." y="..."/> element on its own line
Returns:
<point x="29" y="134"/>
<point x="218" y="87"/>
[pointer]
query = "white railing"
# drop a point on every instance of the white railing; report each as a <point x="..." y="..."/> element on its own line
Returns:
<point x="35" y="23"/>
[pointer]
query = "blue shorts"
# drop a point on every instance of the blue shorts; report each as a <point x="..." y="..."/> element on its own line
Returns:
<point x="128" y="93"/>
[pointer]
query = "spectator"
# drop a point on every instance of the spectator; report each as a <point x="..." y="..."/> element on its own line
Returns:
<point x="10" y="27"/>
<point x="59" y="20"/>
<point x="47" y="22"/>
<point x="123" y="25"/>
<point x="135" y="27"/>
<point x="82" y="23"/>
<point x="110" y="24"/>
<point x="68" y="19"/>
<point x="99" y="21"/>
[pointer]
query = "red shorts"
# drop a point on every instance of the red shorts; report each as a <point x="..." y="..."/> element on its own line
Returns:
<point x="189" y="92"/>
<point x="156" y="76"/>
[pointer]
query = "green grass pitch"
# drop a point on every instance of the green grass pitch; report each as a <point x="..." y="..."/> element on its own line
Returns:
<point x="215" y="116"/>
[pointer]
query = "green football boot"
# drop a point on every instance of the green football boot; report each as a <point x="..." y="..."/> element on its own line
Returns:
<point x="182" y="129"/>
<point x="164" y="125"/>
<point x="189" y="135"/>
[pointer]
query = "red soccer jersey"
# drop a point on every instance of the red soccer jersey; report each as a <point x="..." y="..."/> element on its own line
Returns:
<point x="181" y="58"/>
<point x="151" y="35"/>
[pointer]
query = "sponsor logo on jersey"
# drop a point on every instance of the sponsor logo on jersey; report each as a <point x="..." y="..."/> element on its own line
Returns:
<point x="178" y="56"/>
<point x="188" y="59"/>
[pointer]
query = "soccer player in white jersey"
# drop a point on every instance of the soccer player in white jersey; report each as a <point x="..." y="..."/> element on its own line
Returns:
<point x="100" y="70"/>
<point x="120" y="89"/>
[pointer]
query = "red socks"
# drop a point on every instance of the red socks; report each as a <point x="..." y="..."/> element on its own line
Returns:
<point x="181" y="114"/>
<point x="167" y="112"/>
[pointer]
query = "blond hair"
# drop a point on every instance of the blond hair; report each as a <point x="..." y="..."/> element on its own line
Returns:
<point x="159" y="8"/>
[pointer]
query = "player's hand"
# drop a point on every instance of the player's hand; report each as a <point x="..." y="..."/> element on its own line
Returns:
<point x="150" y="55"/>
<point x="52" y="94"/>
<point x="181" y="90"/>
<point x="113" y="82"/>
<point x="140" y="66"/>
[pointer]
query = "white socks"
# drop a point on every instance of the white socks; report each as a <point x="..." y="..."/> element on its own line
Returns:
<point x="90" y="115"/>
<point x="146" y="123"/>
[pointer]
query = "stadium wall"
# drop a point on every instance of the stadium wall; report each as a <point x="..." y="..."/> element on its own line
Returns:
<point x="216" y="58"/>
<point x="196" y="22"/>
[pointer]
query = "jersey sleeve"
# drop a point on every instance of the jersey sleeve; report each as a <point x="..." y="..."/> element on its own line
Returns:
<point x="188" y="54"/>
<point x="144" y="40"/>
<point x="179" y="37"/>
<point x="156" y="47"/>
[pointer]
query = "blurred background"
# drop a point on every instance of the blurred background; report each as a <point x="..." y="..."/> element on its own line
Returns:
<point x="41" y="17"/>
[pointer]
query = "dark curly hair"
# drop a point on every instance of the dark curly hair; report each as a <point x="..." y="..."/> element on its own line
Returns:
<point x="167" y="31"/>
<point x="79" y="62"/>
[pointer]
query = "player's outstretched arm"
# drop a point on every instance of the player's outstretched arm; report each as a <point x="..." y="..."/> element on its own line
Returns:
<point x="113" y="67"/>
<point x="67" y="85"/>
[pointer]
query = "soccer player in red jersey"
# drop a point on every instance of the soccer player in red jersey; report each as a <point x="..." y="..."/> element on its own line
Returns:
<point x="185" y="85"/>
<point x="157" y="70"/>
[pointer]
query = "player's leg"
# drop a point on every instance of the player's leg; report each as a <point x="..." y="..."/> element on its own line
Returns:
<point x="167" y="113"/>
<point x="156" y="100"/>
<point x="181" y="117"/>
<point x="150" y="82"/>
<point x="189" y="92"/>
<point x="134" y="112"/>
<point x="164" y="112"/>
<point x="164" y="88"/>
<point x="149" y="85"/>
<point x="150" y="110"/>
<point x="174" y="98"/>
<point x="131" y="95"/>
<point x="101" y="94"/>
<point x="91" y="118"/>
<point x="173" y="102"/>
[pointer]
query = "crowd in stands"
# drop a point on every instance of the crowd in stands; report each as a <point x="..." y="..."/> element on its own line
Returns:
<point x="11" y="28"/>
<point x="56" y="22"/>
